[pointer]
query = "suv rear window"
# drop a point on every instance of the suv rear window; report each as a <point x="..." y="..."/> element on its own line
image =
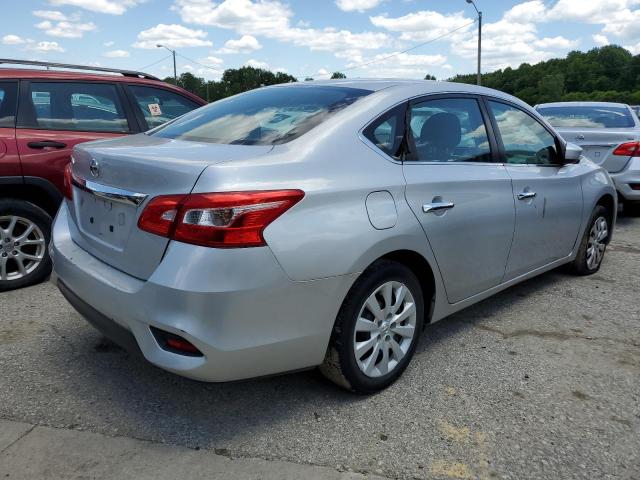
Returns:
<point x="588" y="117"/>
<point x="159" y="106"/>
<point x="86" y="107"/>
<point x="267" y="116"/>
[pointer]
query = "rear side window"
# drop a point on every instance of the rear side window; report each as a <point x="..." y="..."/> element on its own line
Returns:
<point x="387" y="132"/>
<point x="158" y="106"/>
<point x="588" y="117"/>
<point x="86" y="107"/>
<point x="266" y="116"/>
<point x="8" y="103"/>
<point x="525" y="140"/>
<point x="449" y="130"/>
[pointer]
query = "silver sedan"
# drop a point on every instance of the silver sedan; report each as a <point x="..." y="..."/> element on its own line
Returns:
<point x="609" y="134"/>
<point x="321" y="224"/>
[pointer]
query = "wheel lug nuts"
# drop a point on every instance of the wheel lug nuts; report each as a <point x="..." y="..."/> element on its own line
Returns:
<point x="4" y="254"/>
<point x="15" y="252"/>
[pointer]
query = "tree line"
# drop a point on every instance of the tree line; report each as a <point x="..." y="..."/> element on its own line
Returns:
<point x="608" y="73"/>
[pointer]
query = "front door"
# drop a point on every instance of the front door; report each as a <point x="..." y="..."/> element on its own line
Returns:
<point x="547" y="194"/>
<point x="461" y="197"/>
<point x="54" y="116"/>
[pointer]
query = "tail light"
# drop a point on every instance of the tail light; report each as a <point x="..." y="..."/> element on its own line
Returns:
<point x="222" y="220"/>
<point x="628" y="149"/>
<point x="68" y="182"/>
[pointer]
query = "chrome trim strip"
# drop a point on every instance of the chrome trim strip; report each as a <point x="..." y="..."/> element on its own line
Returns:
<point x="112" y="194"/>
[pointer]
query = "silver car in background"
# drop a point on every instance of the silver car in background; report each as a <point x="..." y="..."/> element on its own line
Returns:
<point x="609" y="134"/>
<point x="321" y="224"/>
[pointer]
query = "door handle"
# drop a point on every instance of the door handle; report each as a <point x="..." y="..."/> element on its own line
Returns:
<point x="437" y="206"/>
<point x="46" y="143"/>
<point x="526" y="195"/>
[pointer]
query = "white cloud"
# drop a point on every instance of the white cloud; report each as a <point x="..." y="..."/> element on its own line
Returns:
<point x="357" y="5"/>
<point x="116" y="54"/>
<point x="211" y="61"/>
<point x="245" y="44"/>
<point x="272" y="19"/>
<point x="66" y="29"/>
<point x="172" y="36"/>
<point x="556" y="43"/>
<point x="52" y="15"/>
<point x="256" y="64"/>
<point x="43" y="47"/>
<point x="109" y="44"/>
<point x="600" y="40"/>
<point x="323" y="71"/>
<point x="423" y="25"/>
<point x="113" y="7"/>
<point x="12" y="40"/>
<point x="526" y="12"/>
<point x="395" y="64"/>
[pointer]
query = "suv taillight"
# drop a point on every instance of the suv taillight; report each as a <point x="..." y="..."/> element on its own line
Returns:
<point x="68" y="182"/>
<point x="628" y="149"/>
<point x="222" y="220"/>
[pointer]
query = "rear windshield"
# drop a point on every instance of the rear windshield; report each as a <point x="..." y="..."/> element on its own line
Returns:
<point x="588" y="117"/>
<point x="267" y="116"/>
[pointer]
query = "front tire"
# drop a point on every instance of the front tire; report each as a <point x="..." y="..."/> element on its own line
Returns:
<point x="594" y="243"/>
<point x="25" y="232"/>
<point x="377" y="329"/>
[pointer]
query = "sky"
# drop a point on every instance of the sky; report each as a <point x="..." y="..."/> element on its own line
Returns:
<point x="312" y="38"/>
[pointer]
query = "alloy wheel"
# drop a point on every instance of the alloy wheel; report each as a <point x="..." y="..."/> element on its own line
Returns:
<point x="596" y="244"/>
<point x="22" y="247"/>
<point x="385" y="329"/>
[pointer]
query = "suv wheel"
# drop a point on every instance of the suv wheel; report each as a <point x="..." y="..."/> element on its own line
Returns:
<point x="376" y="330"/>
<point x="593" y="244"/>
<point x="25" y="231"/>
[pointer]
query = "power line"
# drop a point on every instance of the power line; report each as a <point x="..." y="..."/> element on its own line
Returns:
<point x="431" y="40"/>
<point x="209" y="67"/>
<point x="154" y="63"/>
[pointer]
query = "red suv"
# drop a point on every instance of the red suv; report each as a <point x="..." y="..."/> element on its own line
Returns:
<point x="43" y="114"/>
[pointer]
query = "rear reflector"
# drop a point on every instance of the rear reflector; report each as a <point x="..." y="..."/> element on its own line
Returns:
<point x="629" y="149"/>
<point x="222" y="220"/>
<point x="174" y="343"/>
<point x="68" y="182"/>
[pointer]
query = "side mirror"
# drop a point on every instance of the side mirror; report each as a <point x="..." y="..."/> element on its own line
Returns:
<point x="572" y="153"/>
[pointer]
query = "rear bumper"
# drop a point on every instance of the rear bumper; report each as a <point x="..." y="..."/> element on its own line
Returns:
<point x="623" y="180"/>
<point x="236" y="306"/>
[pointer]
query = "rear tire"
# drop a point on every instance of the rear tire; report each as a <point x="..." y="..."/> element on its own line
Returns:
<point x="376" y="330"/>
<point x="594" y="243"/>
<point x="25" y="233"/>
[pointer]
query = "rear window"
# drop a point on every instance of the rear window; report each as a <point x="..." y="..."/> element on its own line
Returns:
<point x="588" y="117"/>
<point x="268" y="116"/>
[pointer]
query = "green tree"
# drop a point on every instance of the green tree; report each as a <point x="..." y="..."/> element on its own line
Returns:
<point x="338" y="75"/>
<point x="428" y="76"/>
<point x="550" y="88"/>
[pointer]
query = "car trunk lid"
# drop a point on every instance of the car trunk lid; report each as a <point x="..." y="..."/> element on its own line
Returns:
<point x="598" y="144"/>
<point x="113" y="182"/>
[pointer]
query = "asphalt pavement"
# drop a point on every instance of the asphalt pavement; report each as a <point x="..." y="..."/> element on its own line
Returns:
<point x="540" y="381"/>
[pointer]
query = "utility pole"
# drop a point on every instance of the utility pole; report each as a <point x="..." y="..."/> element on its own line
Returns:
<point x="479" y="40"/>
<point x="173" y="52"/>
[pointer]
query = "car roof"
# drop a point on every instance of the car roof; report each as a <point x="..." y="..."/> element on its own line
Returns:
<point x="583" y="104"/>
<point x="417" y="87"/>
<point x="32" y="73"/>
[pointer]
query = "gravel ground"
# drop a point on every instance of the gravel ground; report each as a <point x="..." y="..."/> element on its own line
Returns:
<point x="540" y="381"/>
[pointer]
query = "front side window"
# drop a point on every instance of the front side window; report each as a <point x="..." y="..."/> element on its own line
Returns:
<point x="158" y="105"/>
<point x="588" y="117"/>
<point x="87" y="107"/>
<point x="525" y="140"/>
<point x="8" y="103"/>
<point x="449" y="130"/>
<point x="387" y="132"/>
<point x="267" y="116"/>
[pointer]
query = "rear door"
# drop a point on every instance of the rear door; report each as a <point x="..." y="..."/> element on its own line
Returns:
<point x="547" y="195"/>
<point x="462" y="198"/>
<point x="9" y="160"/>
<point x="56" y="115"/>
<point x="154" y="106"/>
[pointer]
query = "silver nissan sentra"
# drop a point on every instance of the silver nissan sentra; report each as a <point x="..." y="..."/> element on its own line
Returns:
<point x="321" y="224"/>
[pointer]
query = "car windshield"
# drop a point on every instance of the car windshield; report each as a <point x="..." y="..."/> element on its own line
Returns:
<point x="267" y="116"/>
<point x="588" y="117"/>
